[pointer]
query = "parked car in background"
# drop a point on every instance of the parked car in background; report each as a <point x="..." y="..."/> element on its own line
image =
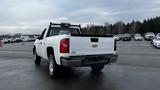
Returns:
<point x="17" y="40"/>
<point x="36" y="36"/>
<point x="25" y="38"/>
<point x="5" y="41"/>
<point x="137" y="37"/>
<point x="149" y="36"/>
<point x="12" y="40"/>
<point x="28" y="38"/>
<point x="117" y="37"/>
<point x="158" y="35"/>
<point x="126" y="37"/>
<point x="156" y="42"/>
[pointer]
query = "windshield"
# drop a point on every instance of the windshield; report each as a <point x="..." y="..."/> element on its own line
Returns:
<point x="116" y="36"/>
<point x="157" y="38"/>
<point x="158" y="35"/>
<point x="150" y="34"/>
<point x="126" y="35"/>
<point x="137" y="35"/>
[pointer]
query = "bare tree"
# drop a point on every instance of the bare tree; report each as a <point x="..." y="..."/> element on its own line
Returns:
<point x="119" y="27"/>
<point x="134" y="27"/>
<point x="106" y="28"/>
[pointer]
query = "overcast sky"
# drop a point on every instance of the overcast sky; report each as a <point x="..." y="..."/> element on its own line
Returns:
<point x="32" y="16"/>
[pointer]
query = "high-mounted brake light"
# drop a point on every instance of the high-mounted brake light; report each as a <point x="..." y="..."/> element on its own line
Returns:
<point x="64" y="45"/>
<point x="65" y="24"/>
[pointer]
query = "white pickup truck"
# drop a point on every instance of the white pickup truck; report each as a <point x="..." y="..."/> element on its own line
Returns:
<point x="63" y="45"/>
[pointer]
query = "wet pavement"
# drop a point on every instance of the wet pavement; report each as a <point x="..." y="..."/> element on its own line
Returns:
<point x="138" y="68"/>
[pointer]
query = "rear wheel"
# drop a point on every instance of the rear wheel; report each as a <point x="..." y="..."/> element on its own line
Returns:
<point x="36" y="58"/>
<point x="53" y="67"/>
<point x="96" y="68"/>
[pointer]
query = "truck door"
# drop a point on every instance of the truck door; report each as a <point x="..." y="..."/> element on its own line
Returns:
<point x="41" y="44"/>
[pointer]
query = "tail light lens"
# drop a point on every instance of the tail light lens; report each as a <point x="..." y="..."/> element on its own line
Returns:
<point x="64" y="45"/>
<point x="115" y="45"/>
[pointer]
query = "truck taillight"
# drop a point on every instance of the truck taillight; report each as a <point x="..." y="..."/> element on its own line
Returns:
<point x="64" y="45"/>
<point x="115" y="45"/>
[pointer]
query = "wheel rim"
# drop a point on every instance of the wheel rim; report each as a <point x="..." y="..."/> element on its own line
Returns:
<point x="51" y="67"/>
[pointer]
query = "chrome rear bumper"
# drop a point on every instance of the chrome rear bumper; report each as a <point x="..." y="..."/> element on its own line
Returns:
<point x="78" y="61"/>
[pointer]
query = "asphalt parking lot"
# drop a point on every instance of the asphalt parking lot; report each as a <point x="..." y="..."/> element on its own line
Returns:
<point x="138" y="68"/>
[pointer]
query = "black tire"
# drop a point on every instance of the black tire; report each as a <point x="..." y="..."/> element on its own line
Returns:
<point x="96" y="68"/>
<point x="53" y="67"/>
<point x="36" y="58"/>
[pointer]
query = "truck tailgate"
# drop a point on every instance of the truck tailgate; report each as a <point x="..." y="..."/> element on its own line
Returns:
<point x="91" y="45"/>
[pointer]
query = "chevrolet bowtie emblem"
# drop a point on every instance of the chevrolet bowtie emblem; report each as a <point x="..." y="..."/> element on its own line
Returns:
<point x="94" y="45"/>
